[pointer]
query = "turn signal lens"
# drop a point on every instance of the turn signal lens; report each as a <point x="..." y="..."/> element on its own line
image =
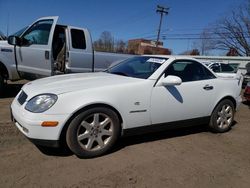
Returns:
<point x="49" y="123"/>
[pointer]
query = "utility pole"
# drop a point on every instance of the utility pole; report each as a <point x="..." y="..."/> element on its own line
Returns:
<point x="162" y="10"/>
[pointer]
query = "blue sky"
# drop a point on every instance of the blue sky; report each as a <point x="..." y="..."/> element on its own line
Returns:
<point x="125" y="19"/>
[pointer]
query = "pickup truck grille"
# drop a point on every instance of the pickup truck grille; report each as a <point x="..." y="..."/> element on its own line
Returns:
<point x="22" y="97"/>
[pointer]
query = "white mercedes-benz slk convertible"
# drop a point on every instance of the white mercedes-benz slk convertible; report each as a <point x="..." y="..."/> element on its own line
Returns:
<point x="90" y="111"/>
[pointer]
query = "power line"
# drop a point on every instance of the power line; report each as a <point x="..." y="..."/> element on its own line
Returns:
<point x="191" y="38"/>
<point x="188" y="36"/>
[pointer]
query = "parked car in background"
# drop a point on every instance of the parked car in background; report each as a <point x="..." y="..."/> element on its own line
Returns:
<point x="247" y="92"/>
<point x="225" y="70"/>
<point x="90" y="111"/>
<point x="223" y="67"/>
<point x="247" y="75"/>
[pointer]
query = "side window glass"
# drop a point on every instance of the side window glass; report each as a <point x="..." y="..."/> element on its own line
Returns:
<point x="39" y="32"/>
<point x="226" y="68"/>
<point x="215" y="67"/>
<point x="235" y="66"/>
<point x="208" y="74"/>
<point x="78" y="39"/>
<point x="188" y="71"/>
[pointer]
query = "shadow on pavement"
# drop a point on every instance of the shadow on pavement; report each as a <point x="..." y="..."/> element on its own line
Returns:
<point x="247" y="103"/>
<point x="150" y="137"/>
<point x="60" y="152"/>
<point x="133" y="140"/>
<point x="11" y="90"/>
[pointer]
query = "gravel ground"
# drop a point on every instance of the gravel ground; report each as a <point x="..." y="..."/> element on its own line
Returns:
<point x="190" y="157"/>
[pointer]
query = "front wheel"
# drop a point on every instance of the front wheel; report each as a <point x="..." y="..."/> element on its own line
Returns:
<point x="93" y="132"/>
<point x="222" y="117"/>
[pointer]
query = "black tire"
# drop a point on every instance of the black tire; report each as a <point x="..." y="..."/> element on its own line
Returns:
<point x="2" y="85"/>
<point x="222" y="117"/>
<point x="93" y="132"/>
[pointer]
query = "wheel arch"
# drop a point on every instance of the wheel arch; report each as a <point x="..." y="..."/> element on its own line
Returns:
<point x="229" y="98"/>
<point x="4" y="71"/>
<point x="221" y="126"/>
<point x="62" y="137"/>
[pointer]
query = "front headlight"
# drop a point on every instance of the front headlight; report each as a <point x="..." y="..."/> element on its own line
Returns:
<point x="41" y="103"/>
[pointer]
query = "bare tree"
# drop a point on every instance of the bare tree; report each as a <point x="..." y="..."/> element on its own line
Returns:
<point x="192" y="52"/>
<point x="98" y="45"/>
<point x="234" y="31"/>
<point x="120" y="46"/>
<point x="204" y="44"/>
<point x="105" y="42"/>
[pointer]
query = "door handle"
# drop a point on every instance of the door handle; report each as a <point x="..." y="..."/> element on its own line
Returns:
<point x="208" y="87"/>
<point x="47" y="54"/>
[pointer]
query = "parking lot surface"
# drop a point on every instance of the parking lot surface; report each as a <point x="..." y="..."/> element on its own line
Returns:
<point x="190" y="157"/>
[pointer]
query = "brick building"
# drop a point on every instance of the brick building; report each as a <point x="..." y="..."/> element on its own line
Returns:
<point x="144" y="46"/>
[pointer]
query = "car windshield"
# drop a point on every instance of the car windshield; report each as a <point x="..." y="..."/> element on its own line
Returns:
<point x="20" y="32"/>
<point x="137" y="67"/>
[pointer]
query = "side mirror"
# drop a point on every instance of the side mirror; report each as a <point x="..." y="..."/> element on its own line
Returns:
<point x="171" y="81"/>
<point x="14" y="40"/>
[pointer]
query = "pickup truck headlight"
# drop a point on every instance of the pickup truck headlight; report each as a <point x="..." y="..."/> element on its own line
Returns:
<point x="41" y="103"/>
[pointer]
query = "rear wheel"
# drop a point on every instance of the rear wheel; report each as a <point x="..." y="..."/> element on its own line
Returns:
<point x="93" y="132"/>
<point x="222" y="117"/>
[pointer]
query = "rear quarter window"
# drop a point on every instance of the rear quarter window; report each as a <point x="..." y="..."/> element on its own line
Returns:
<point x="78" y="39"/>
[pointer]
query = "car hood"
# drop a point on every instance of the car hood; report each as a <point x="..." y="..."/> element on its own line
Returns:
<point x="4" y="43"/>
<point x="75" y="82"/>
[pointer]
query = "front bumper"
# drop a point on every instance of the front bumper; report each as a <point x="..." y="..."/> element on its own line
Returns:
<point x="48" y="143"/>
<point x="30" y="124"/>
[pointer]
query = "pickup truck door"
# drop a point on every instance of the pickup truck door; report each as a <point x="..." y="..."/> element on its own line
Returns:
<point x="80" y="51"/>
<point x="34" y="57"/>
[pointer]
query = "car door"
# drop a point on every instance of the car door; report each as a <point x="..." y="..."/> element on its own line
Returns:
<point x="80" y="51"/>
<point x="190" y="100"/>
<point x="34" y="57"/>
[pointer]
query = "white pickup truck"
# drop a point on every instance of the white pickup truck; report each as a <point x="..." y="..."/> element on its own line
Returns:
<point x="45" y="48"/>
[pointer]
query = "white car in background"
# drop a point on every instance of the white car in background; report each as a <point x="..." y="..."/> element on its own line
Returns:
<point x="223" y="67"/>
<point x="225" y="70"/>
<point x="90" y="111"/>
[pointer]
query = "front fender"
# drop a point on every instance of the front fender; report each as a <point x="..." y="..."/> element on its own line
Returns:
<point x="134" y="107"/>
<point x="8" y="61"/>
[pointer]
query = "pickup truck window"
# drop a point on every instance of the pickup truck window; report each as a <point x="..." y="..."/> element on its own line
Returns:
<point x="39" y="32"/>
<point x="78" y="39"/>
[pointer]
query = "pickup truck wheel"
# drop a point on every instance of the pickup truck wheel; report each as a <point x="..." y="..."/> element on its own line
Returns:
<point x="1" y="84"/>
<point x="222" y="117"/>
<point x="93" y="132"/>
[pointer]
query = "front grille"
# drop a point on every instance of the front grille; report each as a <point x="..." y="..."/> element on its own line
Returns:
<point x="22" y="97"/>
